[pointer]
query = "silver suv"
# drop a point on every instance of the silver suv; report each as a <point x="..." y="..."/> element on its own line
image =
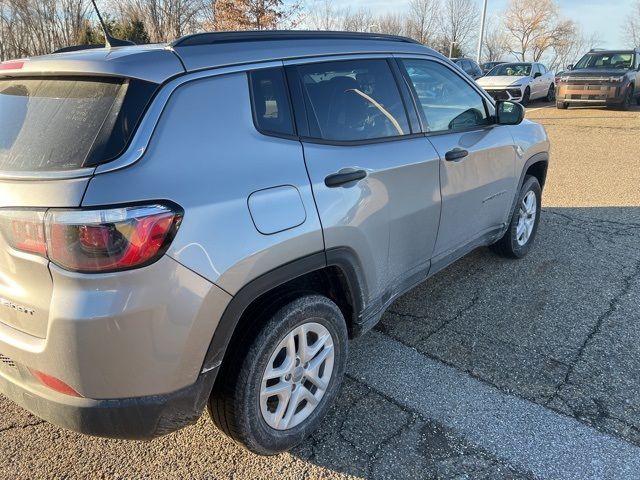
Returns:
<point x="209" y="222"/>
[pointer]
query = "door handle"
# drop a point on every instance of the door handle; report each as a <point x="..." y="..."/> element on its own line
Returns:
<point x="456" y="155"/>
<point x="340" y="178"/>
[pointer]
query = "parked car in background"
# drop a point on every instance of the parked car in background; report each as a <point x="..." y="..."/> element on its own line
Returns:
<point x="601" y="77"/>
<point x="488" y="66"/>
<point x="519" y="82"/>
<point x="158" y="256"/>
<point x="468" y="66"/>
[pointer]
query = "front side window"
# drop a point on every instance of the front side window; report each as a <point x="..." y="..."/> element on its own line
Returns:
<point x="448" y="102"/>
<point x="270" y="100"/>
<point x="353" y="100"/>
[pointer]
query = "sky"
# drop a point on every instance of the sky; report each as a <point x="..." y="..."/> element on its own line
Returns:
<point x="604" y="17"/>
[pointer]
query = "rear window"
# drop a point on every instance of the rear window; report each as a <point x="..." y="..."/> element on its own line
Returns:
<point x="66" y="123"/>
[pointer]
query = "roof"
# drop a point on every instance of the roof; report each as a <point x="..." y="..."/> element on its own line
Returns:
<point x="158" y="63"/>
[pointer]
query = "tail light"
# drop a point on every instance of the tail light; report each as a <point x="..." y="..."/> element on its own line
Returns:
<point x="94" y="240"/>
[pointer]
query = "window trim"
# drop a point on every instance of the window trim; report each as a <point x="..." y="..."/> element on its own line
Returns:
<point x="292" y="68"/>
<point x="287" y="90"/>
<point x="483" y="96"/>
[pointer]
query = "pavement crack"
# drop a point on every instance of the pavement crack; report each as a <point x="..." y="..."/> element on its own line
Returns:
<point x="26" y="425"/>
<point x="614" y="304"/>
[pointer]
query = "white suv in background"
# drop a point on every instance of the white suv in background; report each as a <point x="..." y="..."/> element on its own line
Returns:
<point x="520" y="82"/>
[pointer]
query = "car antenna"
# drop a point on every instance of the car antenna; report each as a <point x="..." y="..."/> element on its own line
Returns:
<point x="110" y="41"/>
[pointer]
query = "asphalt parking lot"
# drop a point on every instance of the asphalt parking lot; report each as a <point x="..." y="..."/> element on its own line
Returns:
<point x="492" y="369"/>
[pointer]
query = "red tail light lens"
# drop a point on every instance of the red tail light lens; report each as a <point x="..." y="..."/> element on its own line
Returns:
<point x="109" y="240"/>
<point x="24" y="230"/>
<point x="94" y="240"/>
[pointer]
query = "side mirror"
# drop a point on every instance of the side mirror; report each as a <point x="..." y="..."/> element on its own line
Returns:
<point x="509" y="113"/>
<point x="537" y="75"/>
<point x="570" y="66"/>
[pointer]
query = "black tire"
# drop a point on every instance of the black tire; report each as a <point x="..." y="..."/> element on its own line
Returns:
<point x="526" y="97"/>
<point x="235" y="402"/>
<point x="562" y="105"/>
<point x="551" y="94"/>
<point x="638" y="101"/>
<point x="628" y="100"/>
<point x="508" y="245"/>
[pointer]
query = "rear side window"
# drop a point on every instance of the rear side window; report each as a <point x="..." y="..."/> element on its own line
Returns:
<point x="66" y="123"/>
<point x="270" y="99"/>
<point x="353" y="100"/>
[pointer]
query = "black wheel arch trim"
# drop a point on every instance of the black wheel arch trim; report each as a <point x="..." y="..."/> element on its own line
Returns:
<point x="542" y="157"/>
<point x="345" y="259"/>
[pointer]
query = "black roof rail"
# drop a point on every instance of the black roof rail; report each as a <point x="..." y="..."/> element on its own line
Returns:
<point x="212" y="38"/>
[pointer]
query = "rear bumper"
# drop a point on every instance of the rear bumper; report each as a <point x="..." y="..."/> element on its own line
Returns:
<point x="140" y="418"/>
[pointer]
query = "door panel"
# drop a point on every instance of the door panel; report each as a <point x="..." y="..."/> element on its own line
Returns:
<point x="476" y="190"/>
<point x="390" y="217"/>
<point x="477" y="158"/>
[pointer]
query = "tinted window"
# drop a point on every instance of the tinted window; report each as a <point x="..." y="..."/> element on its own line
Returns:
<point x="449" y="103"/>
<point x="353" y="100"/>
<point x="270" y="99"/>
<point x="511" y="70"/>
<point x="617" y="60"/>
<point x="61" y="124"/>
<point x="543" y="69"/>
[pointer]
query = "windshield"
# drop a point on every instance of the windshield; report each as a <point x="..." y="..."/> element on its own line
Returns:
<point x="61" y="124"/>
<point x="511" y="70"/>
<point x="608" y="60"/>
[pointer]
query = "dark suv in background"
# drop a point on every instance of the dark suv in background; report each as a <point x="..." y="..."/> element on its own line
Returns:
<point x="601" y="77"/>
<point x="470" y="67"/>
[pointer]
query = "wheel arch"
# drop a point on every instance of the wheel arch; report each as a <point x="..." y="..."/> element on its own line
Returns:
<point x="335" y="273"/>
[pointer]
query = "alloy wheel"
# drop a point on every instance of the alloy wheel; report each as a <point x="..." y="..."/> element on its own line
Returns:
<point x="297" y="376"/>
<point x="527" y="218"/>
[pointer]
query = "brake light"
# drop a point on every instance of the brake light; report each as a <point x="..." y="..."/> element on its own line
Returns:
<point x="24" y="230"/>
<point x="54" y="384"/>
<point x="94" y="240"/>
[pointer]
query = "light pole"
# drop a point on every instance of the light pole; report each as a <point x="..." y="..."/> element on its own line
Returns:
<point x="451" y="49"/>
<point x="482" y="26"/>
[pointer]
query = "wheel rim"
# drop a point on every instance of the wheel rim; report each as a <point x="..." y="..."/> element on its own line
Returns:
<point x="526" y="218"/>
<point x="297" y="376"/>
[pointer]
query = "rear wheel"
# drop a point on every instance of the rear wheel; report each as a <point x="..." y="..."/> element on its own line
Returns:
<point x="519" y="237"/>
<point x="276" y="393"/>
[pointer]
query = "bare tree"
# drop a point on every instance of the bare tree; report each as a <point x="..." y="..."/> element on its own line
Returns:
<point x="632" y="26"/>
<point x="360" y="20"/>
<point x="423" y="20"/>
<point x="535" y="26"/>
<point x="324" y="15"/>
<point x="569" y="51"/>
<point x="458" y="24"/>
<point x="496" y="42"/>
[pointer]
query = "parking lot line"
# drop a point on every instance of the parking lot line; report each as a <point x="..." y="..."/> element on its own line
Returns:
<point x="527" y="435"/>
<point x="539" y="108"/>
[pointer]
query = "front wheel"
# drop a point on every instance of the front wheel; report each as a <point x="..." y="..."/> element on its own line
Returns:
<point x="276" y="393"/>
<point x="628" y="99"/>
<point x="526" y="97"/>
<point x="519" y="237"/>
<point x="551" y="94"/>
<point x="562" y="105"/>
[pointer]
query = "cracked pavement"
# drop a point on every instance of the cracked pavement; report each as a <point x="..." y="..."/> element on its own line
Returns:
<point x="558" y="331"/>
